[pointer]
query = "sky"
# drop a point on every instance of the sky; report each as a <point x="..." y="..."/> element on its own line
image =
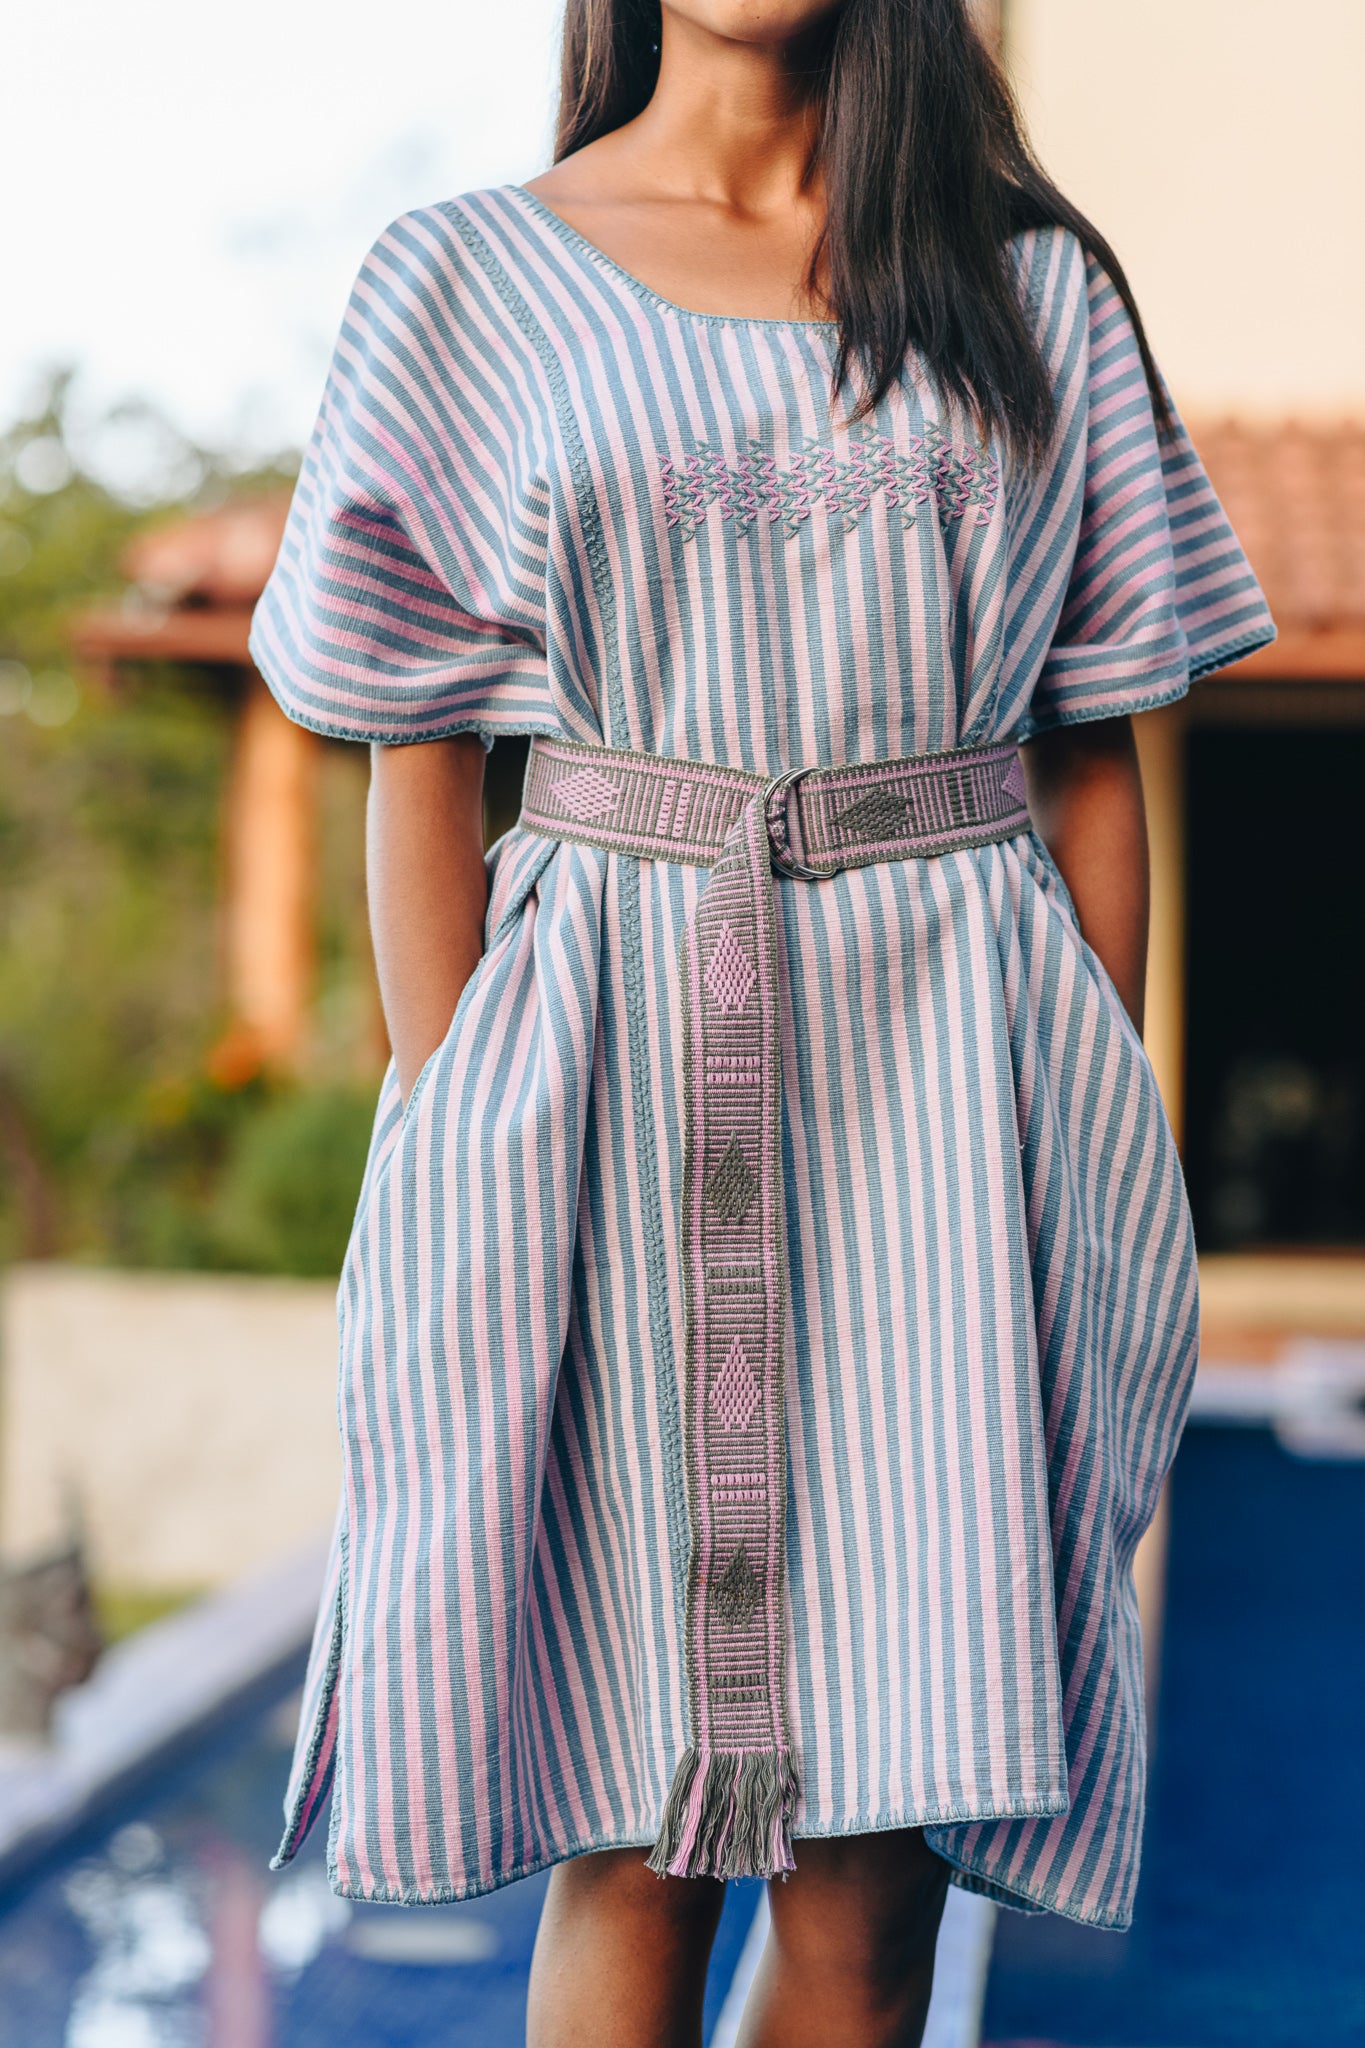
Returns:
<point x="186" y="193"/>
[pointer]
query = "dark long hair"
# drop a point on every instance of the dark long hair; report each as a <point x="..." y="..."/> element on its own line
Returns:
<point x="927" y="174"/>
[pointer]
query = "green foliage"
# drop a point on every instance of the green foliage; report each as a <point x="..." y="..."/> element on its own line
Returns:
<point x="122" y="1610"/>
<point x="107" y="860"/>
<point x="260" y="1178"/>
<point x="116" y="1140"/>
<point x="58" y="548"/>
<point x="286" y="1200"/>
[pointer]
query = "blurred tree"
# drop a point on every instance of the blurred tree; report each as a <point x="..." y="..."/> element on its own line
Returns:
<point x="115" y="1141"/>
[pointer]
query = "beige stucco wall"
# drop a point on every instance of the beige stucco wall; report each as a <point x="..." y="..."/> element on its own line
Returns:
<point x="192" y="1415"/>
<point x="1220" y="145"/>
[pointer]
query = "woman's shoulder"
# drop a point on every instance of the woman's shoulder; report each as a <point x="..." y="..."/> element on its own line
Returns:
<point x="1050" y="262"/>
<point x="431" y="240"/>
<point x="1071" y="301"/>
<point x="430" y="268"/>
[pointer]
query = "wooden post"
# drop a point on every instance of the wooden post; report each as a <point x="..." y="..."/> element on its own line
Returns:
<point x="268" y="938"/>
<point x="1161" y="752"/>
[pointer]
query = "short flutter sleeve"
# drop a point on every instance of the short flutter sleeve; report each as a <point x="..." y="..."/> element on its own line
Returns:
<point x="1158" y="590"/>
<point x="405" y="602"/>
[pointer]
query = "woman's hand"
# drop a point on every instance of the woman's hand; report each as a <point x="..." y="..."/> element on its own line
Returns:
<point x="1085" y="793"/>
<point x="428" y="887"/>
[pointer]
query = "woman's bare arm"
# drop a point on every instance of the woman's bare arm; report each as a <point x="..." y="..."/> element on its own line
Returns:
<point x="427" y="887"/>
<point x="1085" y="793"/>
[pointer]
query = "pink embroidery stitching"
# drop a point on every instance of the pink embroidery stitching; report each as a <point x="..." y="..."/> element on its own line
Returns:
<point x="961" y="481"/>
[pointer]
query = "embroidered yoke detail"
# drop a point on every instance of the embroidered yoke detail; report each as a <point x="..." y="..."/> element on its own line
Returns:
<point x="757" y="489"/>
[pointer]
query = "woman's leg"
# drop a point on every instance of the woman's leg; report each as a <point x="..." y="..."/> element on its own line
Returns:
<point x="620" y="1958"/>
<point x="849" y="1961"/>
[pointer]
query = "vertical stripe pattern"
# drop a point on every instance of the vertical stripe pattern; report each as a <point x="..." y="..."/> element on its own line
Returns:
<point x="540" y="498"/>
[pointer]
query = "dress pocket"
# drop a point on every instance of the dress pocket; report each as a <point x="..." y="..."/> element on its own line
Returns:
<point x="1055" y="877"/>
<point x="514" y="872"/>
<point x="516" y="863"/>
<point x="315" y="1745"/>
<point x="419" y="1085"/>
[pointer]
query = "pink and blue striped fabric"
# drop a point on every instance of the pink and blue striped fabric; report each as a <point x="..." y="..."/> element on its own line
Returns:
<point x="541" y="498"/>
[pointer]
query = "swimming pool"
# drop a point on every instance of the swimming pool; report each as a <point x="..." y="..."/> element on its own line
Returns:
<point x="160" y="1926"/>
<point x="1249" y="1929"/>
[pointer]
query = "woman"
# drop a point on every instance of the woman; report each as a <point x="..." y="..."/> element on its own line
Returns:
<point x="771" y="1305"/>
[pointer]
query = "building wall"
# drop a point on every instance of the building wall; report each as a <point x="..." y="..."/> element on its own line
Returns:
<point x="190" y="1418"/>
<point x="1220" y="145"/>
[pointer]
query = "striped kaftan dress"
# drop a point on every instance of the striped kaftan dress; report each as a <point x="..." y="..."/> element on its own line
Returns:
<point x="539" y="498"/>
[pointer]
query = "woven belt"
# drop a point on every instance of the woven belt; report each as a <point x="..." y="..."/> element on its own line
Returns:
<point x="729" y="1808"/>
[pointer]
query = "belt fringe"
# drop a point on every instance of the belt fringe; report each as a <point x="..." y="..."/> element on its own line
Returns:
<point x="728" y="1814"/>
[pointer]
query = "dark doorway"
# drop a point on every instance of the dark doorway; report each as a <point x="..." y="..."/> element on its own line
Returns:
<point x="503" y="774"/>
<point x="1275" y="1098"/>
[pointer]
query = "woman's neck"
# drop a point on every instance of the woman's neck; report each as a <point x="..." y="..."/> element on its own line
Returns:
<point x="731" y="124"/>
<point x="713" y="196"/>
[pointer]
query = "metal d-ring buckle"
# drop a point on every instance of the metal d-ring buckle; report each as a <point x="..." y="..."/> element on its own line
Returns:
<point x="782" y="857"/>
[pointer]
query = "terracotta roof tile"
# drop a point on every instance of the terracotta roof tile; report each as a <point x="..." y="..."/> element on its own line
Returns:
<point x="1295" y="493"/>
<point x="219" y="557"/>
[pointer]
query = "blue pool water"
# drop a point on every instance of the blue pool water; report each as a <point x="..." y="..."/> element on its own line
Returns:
<point x="1249" y="1930"/>
<point x="163" y="1928"/>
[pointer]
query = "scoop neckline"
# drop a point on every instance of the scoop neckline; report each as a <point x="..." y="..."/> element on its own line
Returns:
<point x="557" y="223"/>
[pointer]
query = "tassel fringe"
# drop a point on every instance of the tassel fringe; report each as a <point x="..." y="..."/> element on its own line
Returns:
<point x="728" y="1814"/>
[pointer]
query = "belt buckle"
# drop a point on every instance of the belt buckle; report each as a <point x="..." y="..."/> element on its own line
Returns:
<point x="783" y="859"/>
